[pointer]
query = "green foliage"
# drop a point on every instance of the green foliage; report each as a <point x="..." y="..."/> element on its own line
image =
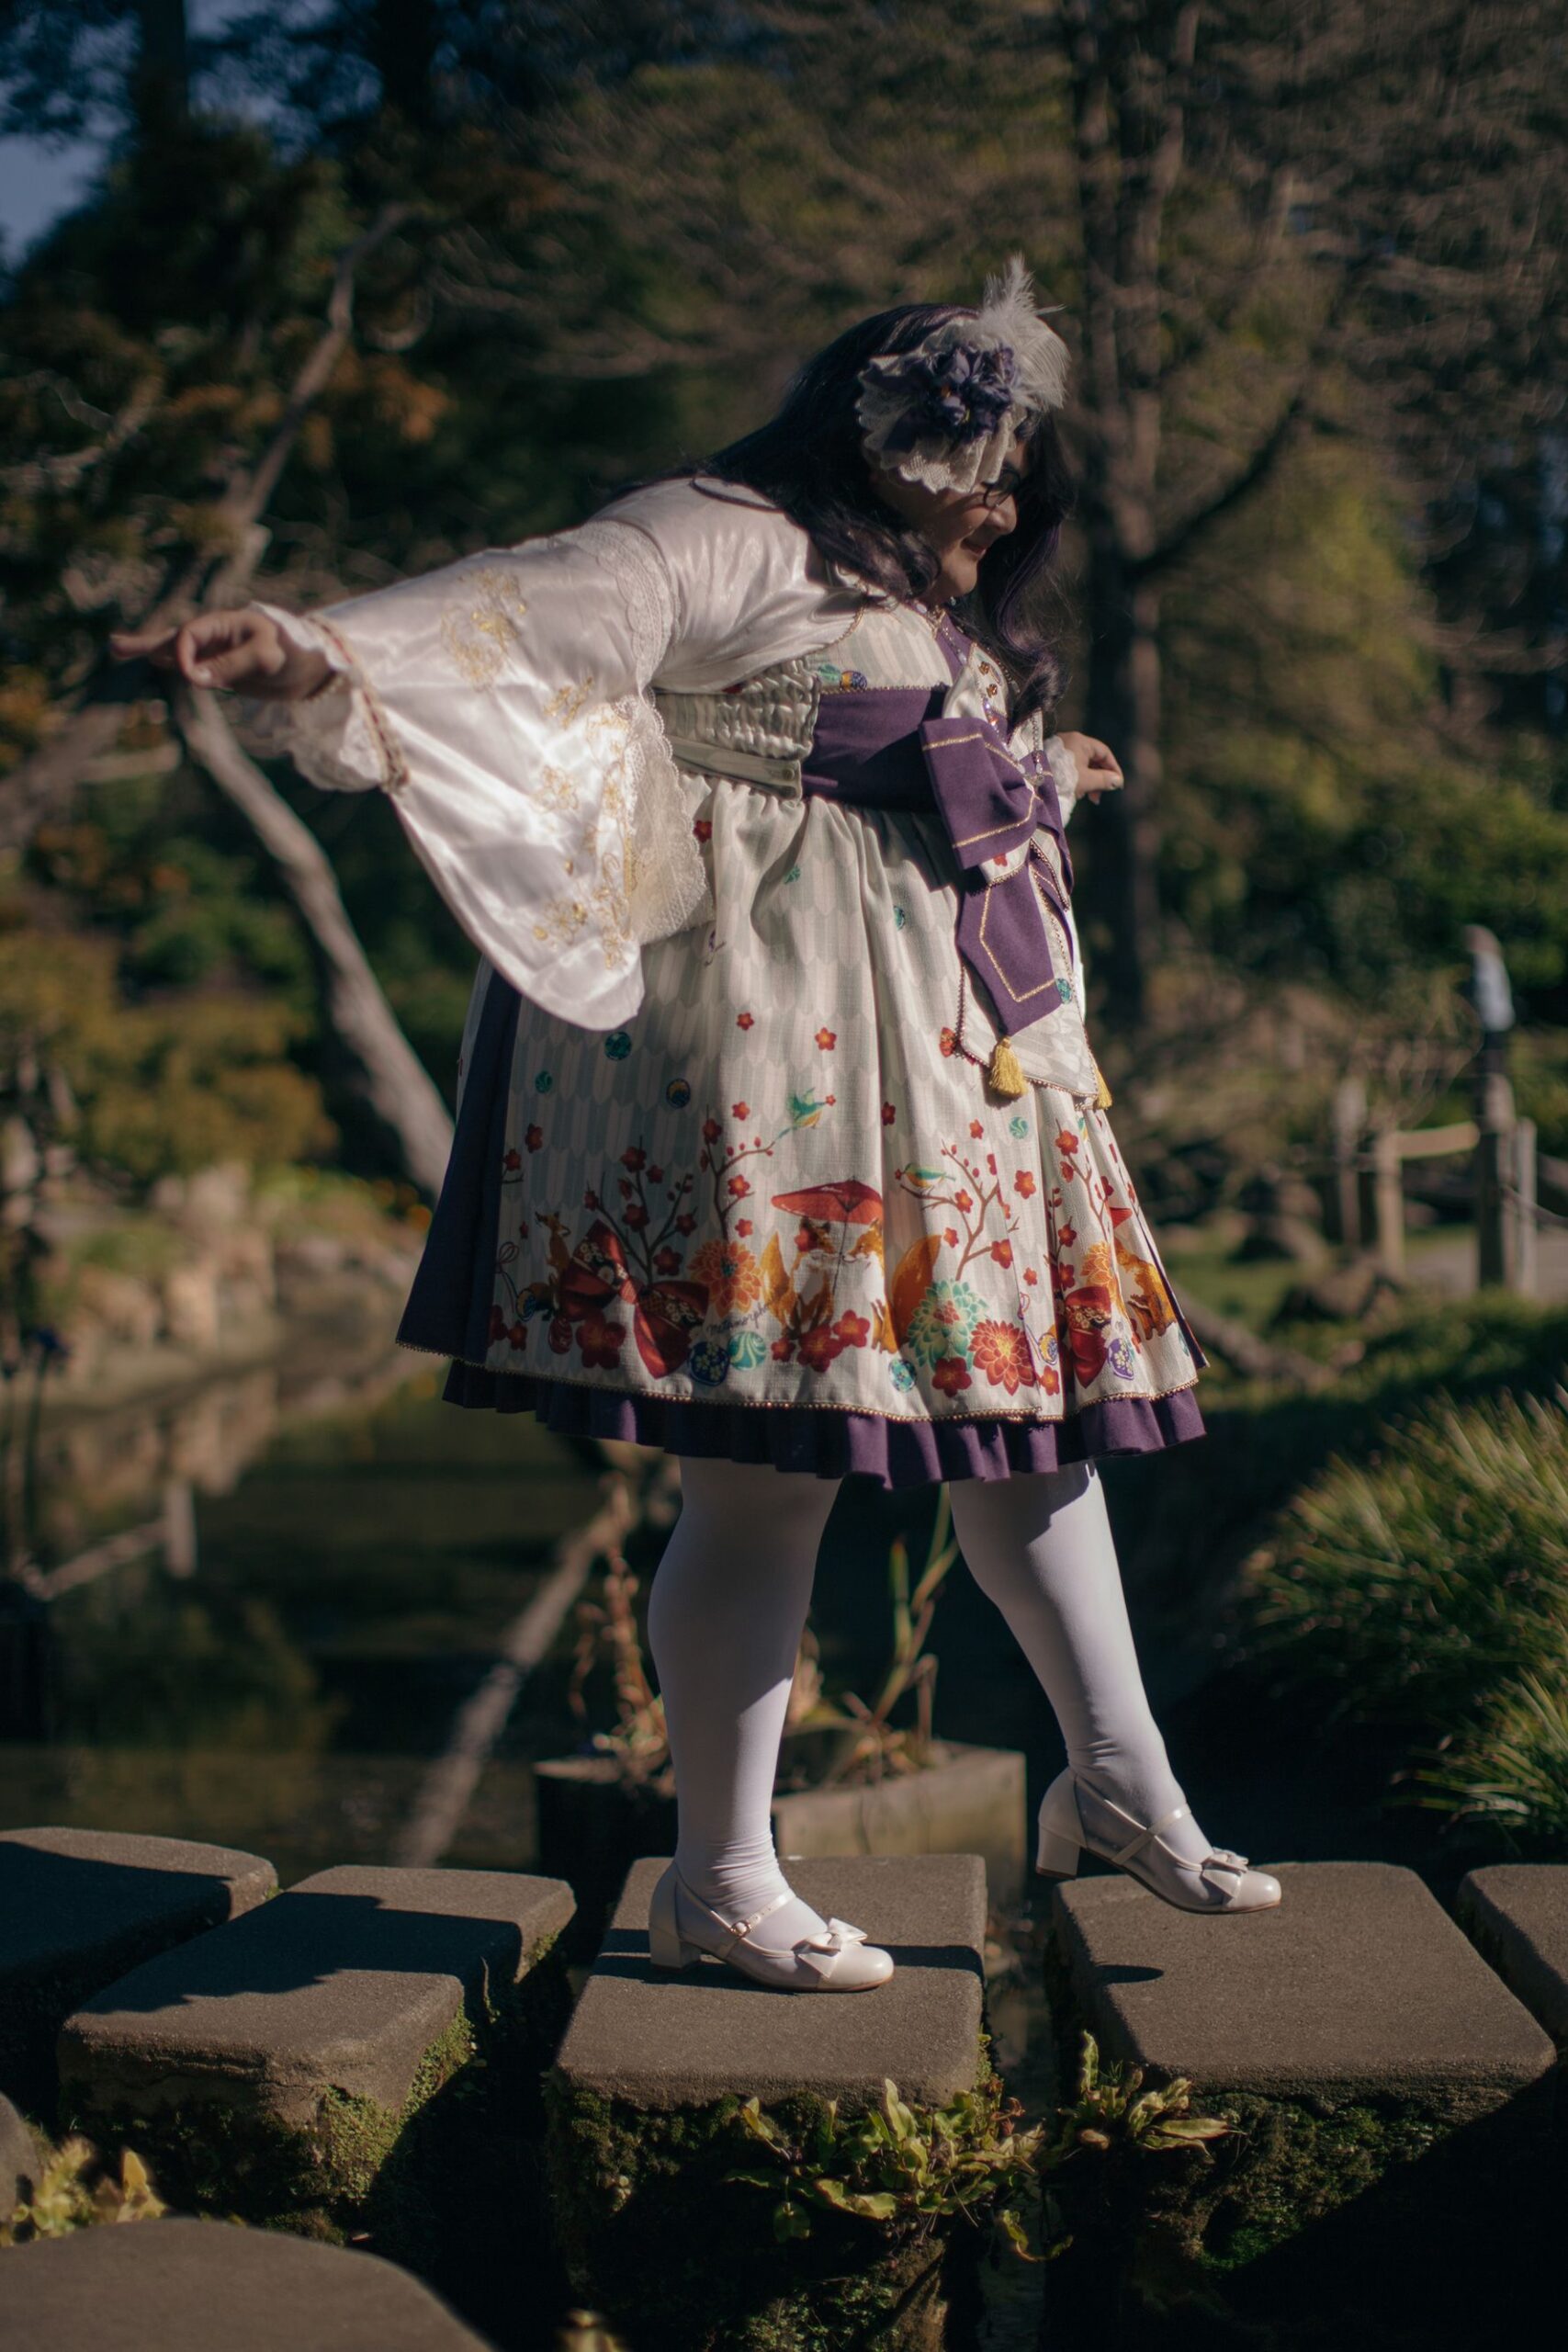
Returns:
<point x="1427" y="1588"/>
<point x="967" y="2160"/>
<point x="75" y="2189"/>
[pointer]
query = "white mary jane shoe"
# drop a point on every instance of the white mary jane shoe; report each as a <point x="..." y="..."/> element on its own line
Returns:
<point x="681" y="1927"/>
<point x="1221" y="1882"/>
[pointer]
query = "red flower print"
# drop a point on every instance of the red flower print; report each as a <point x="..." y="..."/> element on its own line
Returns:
<point x="1030" y="1277"/>
<point x="949" y="1044"/>
<point x="1065" y="1142"/>
<point x="711" y="1131"/>
<point x="656" y="1175"/>
<point x="634" y="1159"/>
<point x="782" y="1350"/>
<point x="889" y="1114"/>
<point x="559" y="1335"/>
<point x="667" y="1261"/>
<point x="702" y="828"/>
<point x="600" y="1342"/>
<point x="1023" y="1184"/>
<point x="1086" y="1321"/>
<point x="517" y="1336"/>
<point x="854" y="1330"/>
<point x="591" y="1198"/>
<point x="831" y="1099"/>
<point x="497" y="1325"/>
<point x="685" y="1223"/>
<point x="637" y="1217"/>
<point x="744" y="1020"/>
<point x="991" y="1161"/>
<point x="738" y="1187"/>
<point x="963" y="1204"/>
<point x="819" y="1348"/>
<point x="1001" y="1353"/>
<point x="533" y="1138"/>
<point x="513" y="1159"/>
<point x="1066" y="1235"/>
<point x="950" y="1376"/>
<point x="976" y="1129"/>
<point x="950" y="1234"/>
<point x="740" y="1110"/>
<point x="827" y="1039"/>
<point x="1002" y="1252"/>
<point x="1050" y="1380"/>
<point x="742" y="1228"/>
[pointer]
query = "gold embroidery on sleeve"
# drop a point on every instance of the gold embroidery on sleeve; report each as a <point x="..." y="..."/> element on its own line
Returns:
<point x="480" y="637"/>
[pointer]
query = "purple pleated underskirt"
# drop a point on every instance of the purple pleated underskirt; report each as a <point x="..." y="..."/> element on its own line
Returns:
<point x="829" y="1444"/>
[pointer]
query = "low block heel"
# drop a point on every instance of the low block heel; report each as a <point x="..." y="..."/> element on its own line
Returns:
<point x="667" y="1947"/>
<point x="1056" y="1857"/>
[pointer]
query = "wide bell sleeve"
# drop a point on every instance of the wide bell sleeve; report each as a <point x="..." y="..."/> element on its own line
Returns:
<point x="502" y="704"/>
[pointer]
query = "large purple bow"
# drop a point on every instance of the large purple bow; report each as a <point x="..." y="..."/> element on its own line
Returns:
<point x="992" y="806"/>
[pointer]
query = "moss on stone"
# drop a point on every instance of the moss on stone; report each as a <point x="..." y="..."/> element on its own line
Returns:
<point x="401" y="2177"/>
<point x="653" y="2234"/>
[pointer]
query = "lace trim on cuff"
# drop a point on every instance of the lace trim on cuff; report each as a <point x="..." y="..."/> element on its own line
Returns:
<point x="1063" y="768"/>
<point x="340" y="737"/>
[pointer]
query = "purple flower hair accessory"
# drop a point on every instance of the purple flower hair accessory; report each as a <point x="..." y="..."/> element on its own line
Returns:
<point x="946" y="413"/>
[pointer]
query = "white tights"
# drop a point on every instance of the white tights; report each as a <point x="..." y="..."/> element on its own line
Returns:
<point x="724" y="1619"/>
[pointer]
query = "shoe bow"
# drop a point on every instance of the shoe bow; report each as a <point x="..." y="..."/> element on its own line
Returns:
<point x="837" y="1937"/>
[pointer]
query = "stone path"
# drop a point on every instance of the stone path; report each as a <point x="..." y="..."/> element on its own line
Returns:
<point x="78" y="1907"/>
<point x="1518" y="1915"/>
<point x="645" y="2141"/>
<point x="182" y="2286"/>
<point x="1391" y="2101"/>
<point x="664" y="2040"/>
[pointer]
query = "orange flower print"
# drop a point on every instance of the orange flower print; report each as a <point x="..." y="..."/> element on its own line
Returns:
<point x="1050" y="1380"/>
<point x="731" y="1276"/>
<point x="949" y="1044"/>
<point x="1002" y="1252"/>
<point x="950" y="1376"/>
<point x="854" y="1330"/>
<point x="1001" y="1353"/>
<point x="599" y="1341"/>
<point x="1030" y="1277"/>
<point x="711" y="1131"/>
<point x="744" y="1020"/>
<point x="744" y="1227"/>
<point x="827" y="1039"/>
<point x="963" y="1203"/>
<point x="1023" y="1184"/>
<point x="738" y="1187"/>
<point x="976" y="1129"/>
<point x="740" y="1110"/>
<point x="1065" y="1142"/>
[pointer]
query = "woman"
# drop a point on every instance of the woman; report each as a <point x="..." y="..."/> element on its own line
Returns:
<point x="779" y="1143"/>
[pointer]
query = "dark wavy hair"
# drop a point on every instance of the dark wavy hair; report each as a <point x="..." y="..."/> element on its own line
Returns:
<point x="810" y="461"/>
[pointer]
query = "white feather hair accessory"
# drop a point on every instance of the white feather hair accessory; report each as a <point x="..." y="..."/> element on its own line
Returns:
<point x="945" y="413"/>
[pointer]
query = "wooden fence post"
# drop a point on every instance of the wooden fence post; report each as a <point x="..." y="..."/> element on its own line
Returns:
<point x="1494" y="1160"/>
<point x="1526" y="1254"/>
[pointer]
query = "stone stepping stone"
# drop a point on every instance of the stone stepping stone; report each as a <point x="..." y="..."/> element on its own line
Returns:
<point x="185" y="2286"/>
<point x="1517" y="1915"/>
<point x="18" y="2156"/>
<point x="1391" y="2100"/>
<point x="642" y="2115"/>
<point x="360" y="2057"/>
<point x="80" y="1906"/>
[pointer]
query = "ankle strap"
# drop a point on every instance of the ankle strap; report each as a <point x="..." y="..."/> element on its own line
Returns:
<point x="1145" y="1836"/>
<point x="736" y="1926"/>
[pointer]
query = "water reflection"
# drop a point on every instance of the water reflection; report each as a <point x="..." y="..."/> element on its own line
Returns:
<point x="248" y="1613"/>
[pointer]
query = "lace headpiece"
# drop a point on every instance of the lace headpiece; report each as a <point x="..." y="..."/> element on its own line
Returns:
<point x="944" y="414"/>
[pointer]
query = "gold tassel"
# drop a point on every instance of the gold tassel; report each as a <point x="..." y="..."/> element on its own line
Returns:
<point x="1006" y="1072"/>
<point x="1103" y="1097"/>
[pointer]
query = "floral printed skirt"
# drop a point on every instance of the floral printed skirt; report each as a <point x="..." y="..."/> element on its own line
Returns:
<point x="781" y="1216"/>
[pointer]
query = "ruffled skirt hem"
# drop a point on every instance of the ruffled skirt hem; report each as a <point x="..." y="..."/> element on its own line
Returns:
<point x="826" y="1443"/>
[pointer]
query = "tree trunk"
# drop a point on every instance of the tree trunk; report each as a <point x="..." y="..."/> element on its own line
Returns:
<point x="1123" y="707"/>
<point x="160" y="81"/>
<point x="392" y="1078"/>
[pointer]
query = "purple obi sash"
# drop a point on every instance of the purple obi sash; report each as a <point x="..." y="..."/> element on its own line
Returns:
<point x="892" y="747"/>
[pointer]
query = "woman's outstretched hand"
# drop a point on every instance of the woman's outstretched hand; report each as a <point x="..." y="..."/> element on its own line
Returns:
<point x="1099" y="769"/>
<point x="244" y="650"/>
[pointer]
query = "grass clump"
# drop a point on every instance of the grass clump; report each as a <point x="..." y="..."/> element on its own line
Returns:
<point x="75" y="2189"/>
<point x="1426" y="1589"/>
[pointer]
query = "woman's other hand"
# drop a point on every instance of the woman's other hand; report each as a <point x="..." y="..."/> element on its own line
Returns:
<point x="1099" y="769"/>
<point x="244" y="650"/>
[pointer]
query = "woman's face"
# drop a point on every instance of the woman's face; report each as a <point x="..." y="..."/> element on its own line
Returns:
<point x="958" y="525"/>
